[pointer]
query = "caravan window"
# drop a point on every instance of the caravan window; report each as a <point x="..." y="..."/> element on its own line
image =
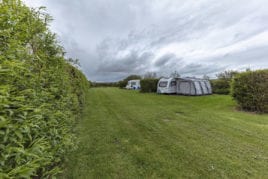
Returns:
<point x="163" y="84"/>
<point x="173" y="83"/>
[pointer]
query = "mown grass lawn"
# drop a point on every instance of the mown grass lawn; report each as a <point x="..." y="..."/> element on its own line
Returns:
<point x="126" y="134"/>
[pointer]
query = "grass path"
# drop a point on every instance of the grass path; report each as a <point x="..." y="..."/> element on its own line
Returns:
<point x="125" y="134"/>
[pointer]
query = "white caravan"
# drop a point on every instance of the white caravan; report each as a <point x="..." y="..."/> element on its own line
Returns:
<point x="184" y="86"/>
<point x="133" y="84"/>
<point x="167" y="86"/>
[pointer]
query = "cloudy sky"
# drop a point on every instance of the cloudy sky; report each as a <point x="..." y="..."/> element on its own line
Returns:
<point x="115" y="38"/>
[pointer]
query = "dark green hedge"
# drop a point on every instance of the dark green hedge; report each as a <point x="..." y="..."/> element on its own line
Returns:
<point x="104" y="84"/>
<point x="122" y="84"/>
<point x="250" y="90"/>
<point x="221" y="86"/>
<point x="41" y="95"/>
<point x="149" y="85"/>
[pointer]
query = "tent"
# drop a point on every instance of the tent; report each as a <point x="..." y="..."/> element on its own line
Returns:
<point x="193" y="86"/>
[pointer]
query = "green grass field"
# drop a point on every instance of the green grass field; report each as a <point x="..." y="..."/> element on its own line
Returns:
<point x="126" y="134"/>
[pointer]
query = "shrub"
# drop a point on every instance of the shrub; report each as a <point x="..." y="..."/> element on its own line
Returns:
<point x="41" y="95"/>
<point x="250" y="90"/>
<point x="220" y="86"/>
<point x="149" y="85"/>
<point x="122" y="84"/>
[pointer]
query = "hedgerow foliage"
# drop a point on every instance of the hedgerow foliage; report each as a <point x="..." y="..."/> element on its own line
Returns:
<point x="104" y="84"/>
<point x="40" y="94"/>
<point x="250" y="90"/>
<point x="149" y="85"/>
<point x="222" y="85"/>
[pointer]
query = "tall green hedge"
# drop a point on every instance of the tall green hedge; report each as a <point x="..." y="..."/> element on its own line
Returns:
<point x="149" y="85"/>
<point x="250" y="90"/>
<point x="41" y="95"/>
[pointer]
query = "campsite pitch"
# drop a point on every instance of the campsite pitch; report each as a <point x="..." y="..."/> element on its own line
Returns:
<point x="126" y="134"/>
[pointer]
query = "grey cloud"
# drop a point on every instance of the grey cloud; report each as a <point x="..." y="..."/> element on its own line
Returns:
<point x="255" y="58"/>
<point x="164" y="60"/>
<point x="201" y="69"/>
<point x="116" y="38"/>
<point x="132" y="63"/>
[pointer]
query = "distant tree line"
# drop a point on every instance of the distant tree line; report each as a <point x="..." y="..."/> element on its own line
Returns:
<point x="103" y="84"/>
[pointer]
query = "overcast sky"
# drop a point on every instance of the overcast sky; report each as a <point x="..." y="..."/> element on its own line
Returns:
<point x="115" y="38"/>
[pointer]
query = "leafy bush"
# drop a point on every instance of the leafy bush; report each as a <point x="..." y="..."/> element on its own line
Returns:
<point x="122" y="84"/>
<point x="149" y="85"/>
<point x="250" y="90"/>
<point x="40" y="95"/>
<point x="220" y="86"/>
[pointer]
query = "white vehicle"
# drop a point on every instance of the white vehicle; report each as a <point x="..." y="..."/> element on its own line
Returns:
<point x="184" y="86"/>
<point x="167" y="86"/>
<point x="133" y="84"/>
